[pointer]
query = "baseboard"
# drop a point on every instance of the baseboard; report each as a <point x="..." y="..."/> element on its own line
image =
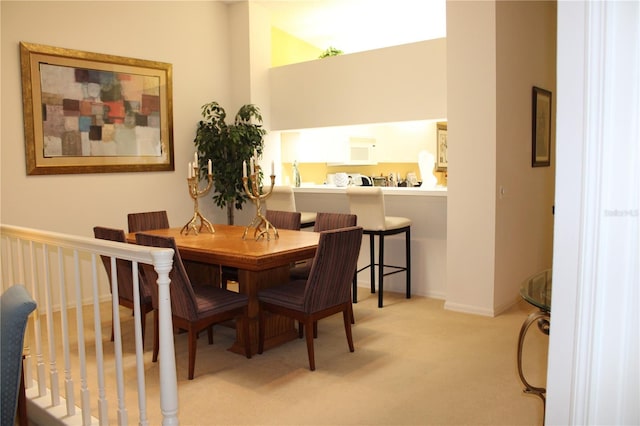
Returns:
<point x="469" y="309"/>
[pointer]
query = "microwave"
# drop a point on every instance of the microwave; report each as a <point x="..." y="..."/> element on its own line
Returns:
<point x="359" y="152"/>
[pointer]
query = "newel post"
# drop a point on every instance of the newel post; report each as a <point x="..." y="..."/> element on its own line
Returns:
<point x="163" y="262"/>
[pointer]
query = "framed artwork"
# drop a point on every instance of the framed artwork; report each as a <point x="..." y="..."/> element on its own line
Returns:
<point x="541" y="128"/>
<point x="92" y="113"/>
<point x="441" y="154"/>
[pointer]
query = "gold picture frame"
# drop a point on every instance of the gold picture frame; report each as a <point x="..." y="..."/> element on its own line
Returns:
<point x="441" y="151"/>
<point x="541" y="127"/>
<point x="87" y="112"/>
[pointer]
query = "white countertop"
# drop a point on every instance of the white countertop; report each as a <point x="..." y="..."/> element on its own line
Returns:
<point x="438" y="191"/>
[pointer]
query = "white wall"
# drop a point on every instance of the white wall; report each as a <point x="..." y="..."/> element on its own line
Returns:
<point x="471" y="140"/>
<point x="399" y="83"/>
<point x="525" y="42"/>
<point x="495" y="240"/>
<point x="190" y="35"/>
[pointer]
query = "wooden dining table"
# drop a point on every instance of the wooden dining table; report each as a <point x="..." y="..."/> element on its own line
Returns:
<point x="261" y="264"/>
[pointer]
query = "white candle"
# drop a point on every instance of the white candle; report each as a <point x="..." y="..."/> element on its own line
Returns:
<point x="209" y="166"/>
<point x="272" y="168"/>
<point x="255" y="154"/>
<point x="189" y="171"/>
<point x="244" y="169"/>
<point x="253" y="167"/>
<point x="195" y="159"/>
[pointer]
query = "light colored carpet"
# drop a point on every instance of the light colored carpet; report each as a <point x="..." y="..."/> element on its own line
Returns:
<point x="414" y="364"/>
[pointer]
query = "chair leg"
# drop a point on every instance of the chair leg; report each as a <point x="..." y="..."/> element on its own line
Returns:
<point x="353" y="318"/>
<point x="372" y="262"/>
<point x="408" y="261"/>
<point x="261" y="330"/>
<point x="308" y="329"/>
<point x="156" y="336"/>
<point x="193" y="344"/>
<point x="143" y="323"/>
<point x="210" y="334"/>
<point x="380" y="270"/>
<point x="354" y="291"/>
<point x="347" y="328"/>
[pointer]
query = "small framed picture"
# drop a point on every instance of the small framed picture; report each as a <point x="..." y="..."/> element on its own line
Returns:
<point x="441" y="141"/>
<point x="87" y="112"/>
<point x="541" y="128"/>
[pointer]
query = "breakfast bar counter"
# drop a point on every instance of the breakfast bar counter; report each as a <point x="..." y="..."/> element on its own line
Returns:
<point x="427" y="208"/>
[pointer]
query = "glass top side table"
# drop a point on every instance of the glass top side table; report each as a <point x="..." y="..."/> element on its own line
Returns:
<point x="536" y="290"/>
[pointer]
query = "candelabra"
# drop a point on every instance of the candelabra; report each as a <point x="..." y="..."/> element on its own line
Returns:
<point x="195" y="193"/>
<point x="262" y="226"/>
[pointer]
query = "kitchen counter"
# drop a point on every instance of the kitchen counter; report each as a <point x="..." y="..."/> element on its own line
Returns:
<point x="427" y="209"/>
<point x="438" y="191"/>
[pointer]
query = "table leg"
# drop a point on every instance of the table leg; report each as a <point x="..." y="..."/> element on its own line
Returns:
<point x="279" y="329"/>
<point x="542" y="318"/>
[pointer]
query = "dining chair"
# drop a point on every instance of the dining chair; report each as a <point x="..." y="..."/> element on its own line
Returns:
<point x="124" y="275"/>
<point x="279" y="219"/>
<point x="282" y="198"/>
<point x="194" y="307"/>
<point x="367" y="202"/>
<point x="284" y="219"/>
<point x="197" y="271"/>
<point x="326" y="292"/>
<point x="145" y="221"/>
<point x="324" y="222"/>
<point x="16" y="305"/>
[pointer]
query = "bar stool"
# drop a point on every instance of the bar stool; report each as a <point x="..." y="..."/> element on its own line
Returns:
<point x="367" y="202"/>
<point x="283" y="199"/>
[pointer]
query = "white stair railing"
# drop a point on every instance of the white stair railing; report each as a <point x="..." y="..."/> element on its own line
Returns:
<point x="61" y="273"/>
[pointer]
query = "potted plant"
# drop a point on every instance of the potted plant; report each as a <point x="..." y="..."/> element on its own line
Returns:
<point x="227" y="146"/>
<point x="330" y="51"/>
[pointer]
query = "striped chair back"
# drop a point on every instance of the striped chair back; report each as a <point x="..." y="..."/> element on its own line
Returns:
<point x="327" y="221"/>
<point x="183" y="299"/>
<point x="283" y="219"/>
<point x="332" y="270"/>
<point x="146" y="221"/>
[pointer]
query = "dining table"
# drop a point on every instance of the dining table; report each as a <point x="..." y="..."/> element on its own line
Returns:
<point x="261" y="264"/>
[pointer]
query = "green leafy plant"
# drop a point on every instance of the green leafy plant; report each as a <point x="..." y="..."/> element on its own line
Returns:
<point x="227" y="146"/>
<point x="331" y="51"/>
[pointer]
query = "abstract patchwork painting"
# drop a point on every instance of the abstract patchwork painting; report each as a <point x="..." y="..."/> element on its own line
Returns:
<point x="87" y="112"/>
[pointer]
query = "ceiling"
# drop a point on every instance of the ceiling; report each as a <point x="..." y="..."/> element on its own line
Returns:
<point x="358" y="25"/>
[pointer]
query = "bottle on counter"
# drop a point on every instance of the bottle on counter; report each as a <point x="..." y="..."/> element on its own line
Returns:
<point x="296" y="174"/>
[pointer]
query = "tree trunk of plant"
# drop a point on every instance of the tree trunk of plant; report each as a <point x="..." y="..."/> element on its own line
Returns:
<point x="230" y="214"/>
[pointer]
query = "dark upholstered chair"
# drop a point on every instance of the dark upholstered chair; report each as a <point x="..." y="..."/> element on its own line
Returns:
<point x="194" y="308"/>
<point x="326" y="292"/>
<point x="145" y="221"/>
<point x="125" y="278"/>
<point x="283" y="219"/>
<point x="324" y="222"/>
<point x="197" y="271"/>
<point x="15" y="306"/>
<point x="367" y="202"/>
<point x="279" y="219"/>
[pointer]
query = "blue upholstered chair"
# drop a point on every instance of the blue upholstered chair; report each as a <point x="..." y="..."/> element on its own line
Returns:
<point x="15" y="306"/>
